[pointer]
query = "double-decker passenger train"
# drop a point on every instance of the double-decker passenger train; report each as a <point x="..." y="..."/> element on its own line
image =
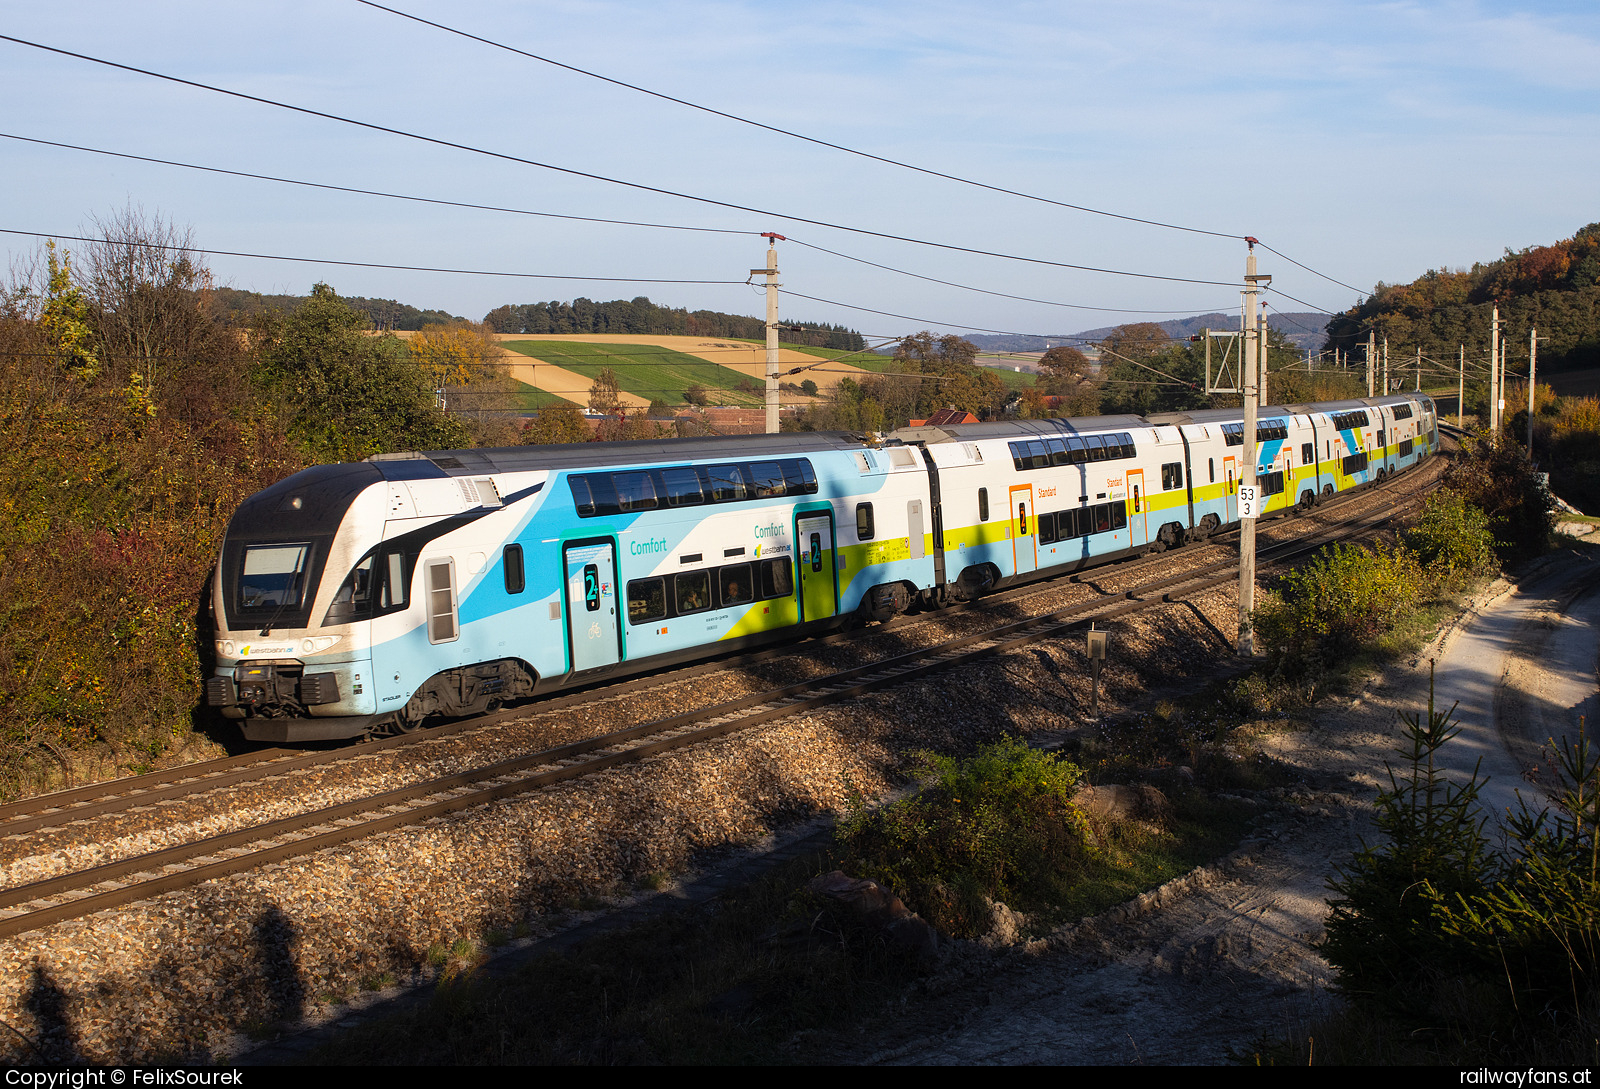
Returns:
<point x="359" y="598"/>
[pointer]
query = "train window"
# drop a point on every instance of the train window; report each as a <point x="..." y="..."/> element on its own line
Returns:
<point x="396" y="590"/>
<point x="801" y="480"/>
<point x="635" y="491"/>
<point x="1405" y="447"/>
<point x="727" y="484"/>
<point x="1380" y="438"/>
<point x="1402" y="412"/>
<point x="983" y="504"/>
<point x="442" y="626"/>
<point x="1119" y="515"/>
<point x="776" y="578"/>
<point x="1211" y="468"/>
<point x="767" y="477"/>
<point x="865" y="530"/>
<point x="1038" y="455"/>
<point x="1308" y="453"/>
<point x="1058" y="452"/>
<point x="647" y="600"/>
<point x="1125" y="441"/>
<point x="1096" y="446"/>
<point x="1233" y="434"/>
<point x="736" y="584"/>
<point x="1171" y="475"/>
<point x="1047" y="529"/>
<point x="516" y="581"/>
<point x="593" y="494"/>
<point x="683" y="487"/>
<point x="273" y="576"/>
<point x="692" y="591"/>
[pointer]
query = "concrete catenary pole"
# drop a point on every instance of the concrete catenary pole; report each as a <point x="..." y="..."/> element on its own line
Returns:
<point x="1419" y="368"/>
<point x="1372" y="361"/>
<point x="771" y="273"/>
<point x="1250" y="375"/>
<point x="1494" y="377"/>
<point x="1461" y="385"/>
<point x="1533" y="370"/>
<point x="1386" y="366"/>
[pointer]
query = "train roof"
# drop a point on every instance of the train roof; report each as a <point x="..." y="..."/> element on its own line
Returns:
<point x="582" y="455"/>
<point x="999" y="429"/>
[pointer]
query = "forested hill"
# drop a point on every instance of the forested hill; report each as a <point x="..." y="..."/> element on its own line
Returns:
<point x="1555" y="288"/>
<point x="385" y="314"/>
<point x="1303" y="330"/>
<point x="643" y="316"/>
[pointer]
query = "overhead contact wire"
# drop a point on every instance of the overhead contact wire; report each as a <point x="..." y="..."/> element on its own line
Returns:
<point x="572" y="171"/>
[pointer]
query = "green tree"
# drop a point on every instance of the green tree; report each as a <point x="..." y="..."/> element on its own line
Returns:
<point x="949" y="378"/>
<point x="347" y="395"/>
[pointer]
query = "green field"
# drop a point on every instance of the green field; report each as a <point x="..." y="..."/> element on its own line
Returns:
<point x="865" y="360"/>
<point x="644" y="370"/>
<point x="526" y="398"/>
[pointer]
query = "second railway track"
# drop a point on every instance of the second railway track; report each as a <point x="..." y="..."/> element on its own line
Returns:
<point x="32" y="904"/>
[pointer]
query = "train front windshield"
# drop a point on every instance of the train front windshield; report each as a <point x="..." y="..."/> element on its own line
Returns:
<point x="273" y="576"/>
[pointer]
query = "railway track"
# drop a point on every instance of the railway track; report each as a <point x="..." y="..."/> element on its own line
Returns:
<point x="35" y="904"/>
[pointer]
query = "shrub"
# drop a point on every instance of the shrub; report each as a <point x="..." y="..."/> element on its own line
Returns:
<point x="1341" y="601"/>
<point x="1452" y="539"/>
<point x="1501" y="482"/>
<point x="1000" y="825"/>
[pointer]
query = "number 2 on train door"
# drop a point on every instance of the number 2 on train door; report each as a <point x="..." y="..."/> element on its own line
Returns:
<point x="1024" y="544"/>
<point x="819" y="588"/>
<point x="592" y="628"/>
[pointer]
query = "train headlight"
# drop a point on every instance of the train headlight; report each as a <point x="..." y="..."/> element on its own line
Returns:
<point x="225" y="648"/>
<point x="317" y="644"/>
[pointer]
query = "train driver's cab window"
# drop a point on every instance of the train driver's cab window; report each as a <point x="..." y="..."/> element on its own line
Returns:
<point x="736" y="583"/>
<point x="865" y="529"/>
<point x="693" y="591"/>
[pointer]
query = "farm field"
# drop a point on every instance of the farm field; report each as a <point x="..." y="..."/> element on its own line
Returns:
<point x="647" y="371"/>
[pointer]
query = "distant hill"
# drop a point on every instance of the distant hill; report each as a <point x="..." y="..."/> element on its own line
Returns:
<point x="385" y="314"/>
<point x="640" y="316"/>
<point x="1303" y="328"/>
<point x="1554" y="289"/>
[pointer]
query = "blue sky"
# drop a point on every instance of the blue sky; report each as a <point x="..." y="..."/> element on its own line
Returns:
<point x="1369" y="141"/>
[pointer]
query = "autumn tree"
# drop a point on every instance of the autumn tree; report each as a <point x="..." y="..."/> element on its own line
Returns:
<point x="950" y="377"/>
<point x="347" y="395"/>
<point x="605" y="396"/>
<point x="456" y="355"/>
<point x="557" y="423"/>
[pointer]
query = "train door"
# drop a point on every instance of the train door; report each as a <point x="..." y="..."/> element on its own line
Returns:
<point x="1024" y="542"/>
<point x="1138" y="508"/>
<point x="1230" y="490"/>
<point x="819" y="567"/>
<point x="593" y="633"/>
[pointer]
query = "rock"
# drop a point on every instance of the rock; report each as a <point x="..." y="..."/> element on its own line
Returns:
<point x="876" y="908"/>
<point x="1124" y="802"/>
<point x="1006" y="926"/>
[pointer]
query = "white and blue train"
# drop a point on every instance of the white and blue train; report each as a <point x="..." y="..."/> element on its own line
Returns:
<point x="359" y="598"/>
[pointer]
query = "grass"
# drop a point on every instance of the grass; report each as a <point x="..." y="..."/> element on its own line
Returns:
<point x="646" y="370"/>
<point x="526" y="398"/>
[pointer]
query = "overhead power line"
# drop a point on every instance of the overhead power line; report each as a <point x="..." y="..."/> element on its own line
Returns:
<point x="371" y="264"/>
<point x="799" y="135"/>
<point x="641" y="186"/>
<point x="841" y="147"/>
<point x="558" y="215"/>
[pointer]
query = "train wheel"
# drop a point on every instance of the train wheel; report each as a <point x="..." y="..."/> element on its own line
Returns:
<point x="1327" y="493"/>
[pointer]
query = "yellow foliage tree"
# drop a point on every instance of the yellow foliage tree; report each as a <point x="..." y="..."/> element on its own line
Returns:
<point x="457" y="355"/>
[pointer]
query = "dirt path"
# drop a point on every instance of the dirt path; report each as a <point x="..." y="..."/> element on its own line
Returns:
<point x="1221" y="959"/>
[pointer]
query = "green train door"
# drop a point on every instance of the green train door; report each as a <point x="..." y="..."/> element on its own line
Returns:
<point x="819" y="565"/>
<point x="593" y="635"/>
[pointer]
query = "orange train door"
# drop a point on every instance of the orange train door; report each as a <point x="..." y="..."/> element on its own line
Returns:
<point x="1024" y="546"/>
<point x="1138" y="508"/>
